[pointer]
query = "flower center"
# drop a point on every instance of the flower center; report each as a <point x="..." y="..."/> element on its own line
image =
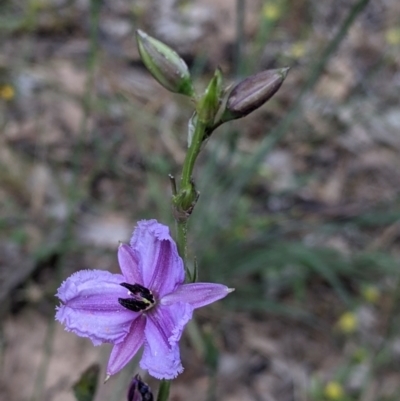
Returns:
<point x="142" y="299"/>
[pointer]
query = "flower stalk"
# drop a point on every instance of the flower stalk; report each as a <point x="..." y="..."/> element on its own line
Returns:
<point x="163" y="391"/>
<point x="185" y="200"/>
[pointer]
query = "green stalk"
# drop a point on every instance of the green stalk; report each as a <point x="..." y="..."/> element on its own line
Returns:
<point x="163" y="391"/>
<point x="192" y="154"/>
<point x="187" y="194"/>
<point x="186" y="197"/>
<point x="182" y="244"/>
<point x="185" y="200"/>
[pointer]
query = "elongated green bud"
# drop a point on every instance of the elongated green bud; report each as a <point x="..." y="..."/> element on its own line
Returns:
<point x="208" y="105"/>
<point x="251" y="93"/>
<point x="164" y="64"/>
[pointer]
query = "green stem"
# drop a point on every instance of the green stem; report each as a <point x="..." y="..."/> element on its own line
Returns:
<point x="187" y="186"/>
<point x="182" y="244"/>
<point x="192" y="154"/>
<point x="186" y="197"/>
<point x="163" y="391"/>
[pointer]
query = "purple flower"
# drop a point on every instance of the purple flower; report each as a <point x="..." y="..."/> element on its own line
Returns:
<point x="148" y="304"/>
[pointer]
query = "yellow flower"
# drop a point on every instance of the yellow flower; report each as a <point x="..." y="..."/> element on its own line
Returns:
<point x="38" y="5"/>
<point x="297" y="50"/>
<point x="7" y="92"/>
<point x="271" y="11"/>
<point x="333" y="391"/>
<point x="347" y="323"/>
<point x="392" y="36"/>
<point x="371" y="294"/>
<point x="360" y="355"/>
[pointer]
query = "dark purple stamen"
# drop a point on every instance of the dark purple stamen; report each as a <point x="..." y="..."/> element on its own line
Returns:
<point x="142" y="298"/>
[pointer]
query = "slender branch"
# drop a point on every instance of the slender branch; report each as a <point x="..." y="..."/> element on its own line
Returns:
<point x="240" y="13"/>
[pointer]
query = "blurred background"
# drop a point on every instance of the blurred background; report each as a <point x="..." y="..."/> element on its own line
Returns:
<point x="299" y="207"/>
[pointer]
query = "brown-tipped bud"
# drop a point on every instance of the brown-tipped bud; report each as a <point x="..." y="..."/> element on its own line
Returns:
<point x="253" y="92"/>
<point x="139" y="390"/>
<point x="164" y="64"/>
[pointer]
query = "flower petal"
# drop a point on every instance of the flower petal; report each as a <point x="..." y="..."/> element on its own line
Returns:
<point x="87" y="283"/>
<point x="91" y="307"/>
<point x="197" y="294"/>
<point x="129" y="264"/>
<point x="160" y="264"/>
<point x="123" y="352"/>
<point x="167" y="367"/>
<point x="163" y="331"/>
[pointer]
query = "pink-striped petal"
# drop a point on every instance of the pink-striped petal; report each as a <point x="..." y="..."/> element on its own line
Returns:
<point x="197" y="294"/>
<point x="91" y="307"/>
<point x="161" y="266"/>
<point x="129" y="264"/>
<point x="123" y="352"/>
<point x="163" y="331"/>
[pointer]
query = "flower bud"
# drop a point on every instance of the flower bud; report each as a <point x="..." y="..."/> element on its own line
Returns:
<point x="139" y="390"/>
<point x="252" y="93"/>
<point x="164" y="64"/>
<point x="209" y="104"/>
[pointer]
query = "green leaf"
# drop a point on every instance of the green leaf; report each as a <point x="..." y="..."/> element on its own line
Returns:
<point x="85" y="387"/>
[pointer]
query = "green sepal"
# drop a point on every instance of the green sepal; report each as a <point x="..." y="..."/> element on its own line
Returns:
<point x="184" y="202"/>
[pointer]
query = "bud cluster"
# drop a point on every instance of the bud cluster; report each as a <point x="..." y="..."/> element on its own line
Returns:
<point x="215" y="106"/>
<point x="171" y="71"/>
